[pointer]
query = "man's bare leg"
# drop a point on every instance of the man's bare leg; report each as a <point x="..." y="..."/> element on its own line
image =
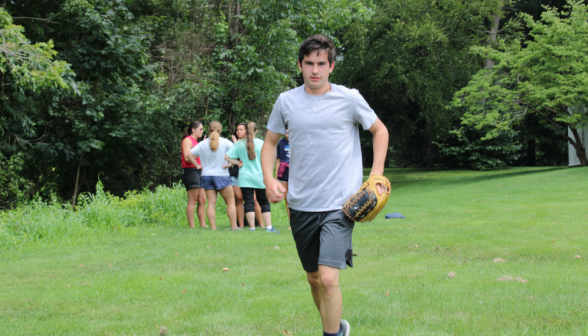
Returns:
<point x="313" y="280"/>
<point x="324" y="286"/>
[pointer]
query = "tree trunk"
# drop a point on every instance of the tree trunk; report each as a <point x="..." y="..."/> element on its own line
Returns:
<point x="579" y="147"/>
<point x="75" y="195"/>
<point x="492" y="34"/>
<point x="576" y="142"/>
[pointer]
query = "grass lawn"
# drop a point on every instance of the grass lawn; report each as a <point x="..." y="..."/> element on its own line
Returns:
<point x="430" y="274"/>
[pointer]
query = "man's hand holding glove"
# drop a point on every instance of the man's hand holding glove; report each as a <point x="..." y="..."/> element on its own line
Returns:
<point x="367" y="203"/>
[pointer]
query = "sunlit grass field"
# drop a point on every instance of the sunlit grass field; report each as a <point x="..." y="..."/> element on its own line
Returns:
<point x="129" y="267"/>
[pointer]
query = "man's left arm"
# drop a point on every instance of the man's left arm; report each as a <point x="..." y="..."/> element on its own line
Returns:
<point x="380" y="133"/>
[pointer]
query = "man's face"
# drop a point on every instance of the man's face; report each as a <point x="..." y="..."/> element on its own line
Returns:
<point x="315" y="70"/>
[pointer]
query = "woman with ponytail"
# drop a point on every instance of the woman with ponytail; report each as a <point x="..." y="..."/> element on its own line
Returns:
<point x="215" y="176"/>
<point x="234" y="172"/>
<point x="191" y="173"/>
<point x="251" y="177"/>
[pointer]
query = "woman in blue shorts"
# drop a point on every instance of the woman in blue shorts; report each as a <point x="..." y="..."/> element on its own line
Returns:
<point x="215" y="176"/>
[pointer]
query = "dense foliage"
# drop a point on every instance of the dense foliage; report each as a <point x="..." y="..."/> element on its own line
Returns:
<point x="103" y="89"/>
<point x="143" y="71"/>
<point x="548" y="77"/>
<point x="409" y="59"/>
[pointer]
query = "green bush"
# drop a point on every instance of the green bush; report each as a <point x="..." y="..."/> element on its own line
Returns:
<point x="14" y="188"/>
<point x="467" y="150"/>
<point x="43" y="220"/>
<point x="101" y="212"/>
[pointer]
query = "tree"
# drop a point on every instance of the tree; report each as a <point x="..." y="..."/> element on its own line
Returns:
<point x="409" y="59"/>
<point x="548" y="77"/>
<point x="144" y="68"/>
<point x="28" y="70"/>
<point x="230" y="60"/>
<point x="108" y="127"/>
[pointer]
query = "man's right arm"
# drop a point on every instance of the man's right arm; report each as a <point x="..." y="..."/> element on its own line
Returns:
<point x="273" y="189"/>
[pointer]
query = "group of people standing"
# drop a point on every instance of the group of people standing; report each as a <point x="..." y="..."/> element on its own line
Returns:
<point x="232" y="169"/>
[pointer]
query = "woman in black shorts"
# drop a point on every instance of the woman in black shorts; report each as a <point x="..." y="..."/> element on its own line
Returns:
<point x="191" y="175"/>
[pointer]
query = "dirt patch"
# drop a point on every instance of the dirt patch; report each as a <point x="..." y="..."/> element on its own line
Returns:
<point x="509" y="278"/>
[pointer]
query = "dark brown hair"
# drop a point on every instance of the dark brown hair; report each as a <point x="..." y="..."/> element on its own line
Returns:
<point x="317" y="43"/>
<point x="250" y="135"/>
<point x="193" y="124"/>
<point x="244" y="124"/>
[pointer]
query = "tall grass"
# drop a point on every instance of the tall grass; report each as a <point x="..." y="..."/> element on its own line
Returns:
<point x="49" y="220"/>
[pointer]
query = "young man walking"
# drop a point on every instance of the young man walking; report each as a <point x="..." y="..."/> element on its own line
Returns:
<point x="322" y="121"/>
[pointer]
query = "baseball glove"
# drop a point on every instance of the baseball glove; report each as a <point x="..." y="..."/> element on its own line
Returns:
<point x="366" y="204"/>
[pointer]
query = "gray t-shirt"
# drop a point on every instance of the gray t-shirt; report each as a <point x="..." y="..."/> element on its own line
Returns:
<point x="325" y="154"/>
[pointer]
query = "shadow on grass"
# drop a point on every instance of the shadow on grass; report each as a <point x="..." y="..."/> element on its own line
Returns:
<point x="402" y="178"/>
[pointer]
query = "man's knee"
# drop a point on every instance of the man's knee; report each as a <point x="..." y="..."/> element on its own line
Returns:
<point x="313" y="280"/>
<point x="329" y="281"/>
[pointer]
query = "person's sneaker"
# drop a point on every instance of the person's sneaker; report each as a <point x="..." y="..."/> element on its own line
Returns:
<point x="345" y="328"/>
<point x="273" y="229"/>
<point x="251" y="229"/>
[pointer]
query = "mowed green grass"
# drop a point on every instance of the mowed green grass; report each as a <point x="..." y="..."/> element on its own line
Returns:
<point x="135" y="280"/>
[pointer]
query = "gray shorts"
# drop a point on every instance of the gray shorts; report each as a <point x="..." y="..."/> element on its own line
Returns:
<point x="322" y="238"/>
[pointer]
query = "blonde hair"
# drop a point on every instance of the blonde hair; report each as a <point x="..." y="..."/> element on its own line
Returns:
<point x="214" y="129"/>
<point x="250" y="135"/>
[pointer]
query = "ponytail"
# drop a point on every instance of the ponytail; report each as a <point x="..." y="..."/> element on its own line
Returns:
<point x="250" y="135"/>
<point x="193" y="124"/>
<point x="214" y="128"/>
